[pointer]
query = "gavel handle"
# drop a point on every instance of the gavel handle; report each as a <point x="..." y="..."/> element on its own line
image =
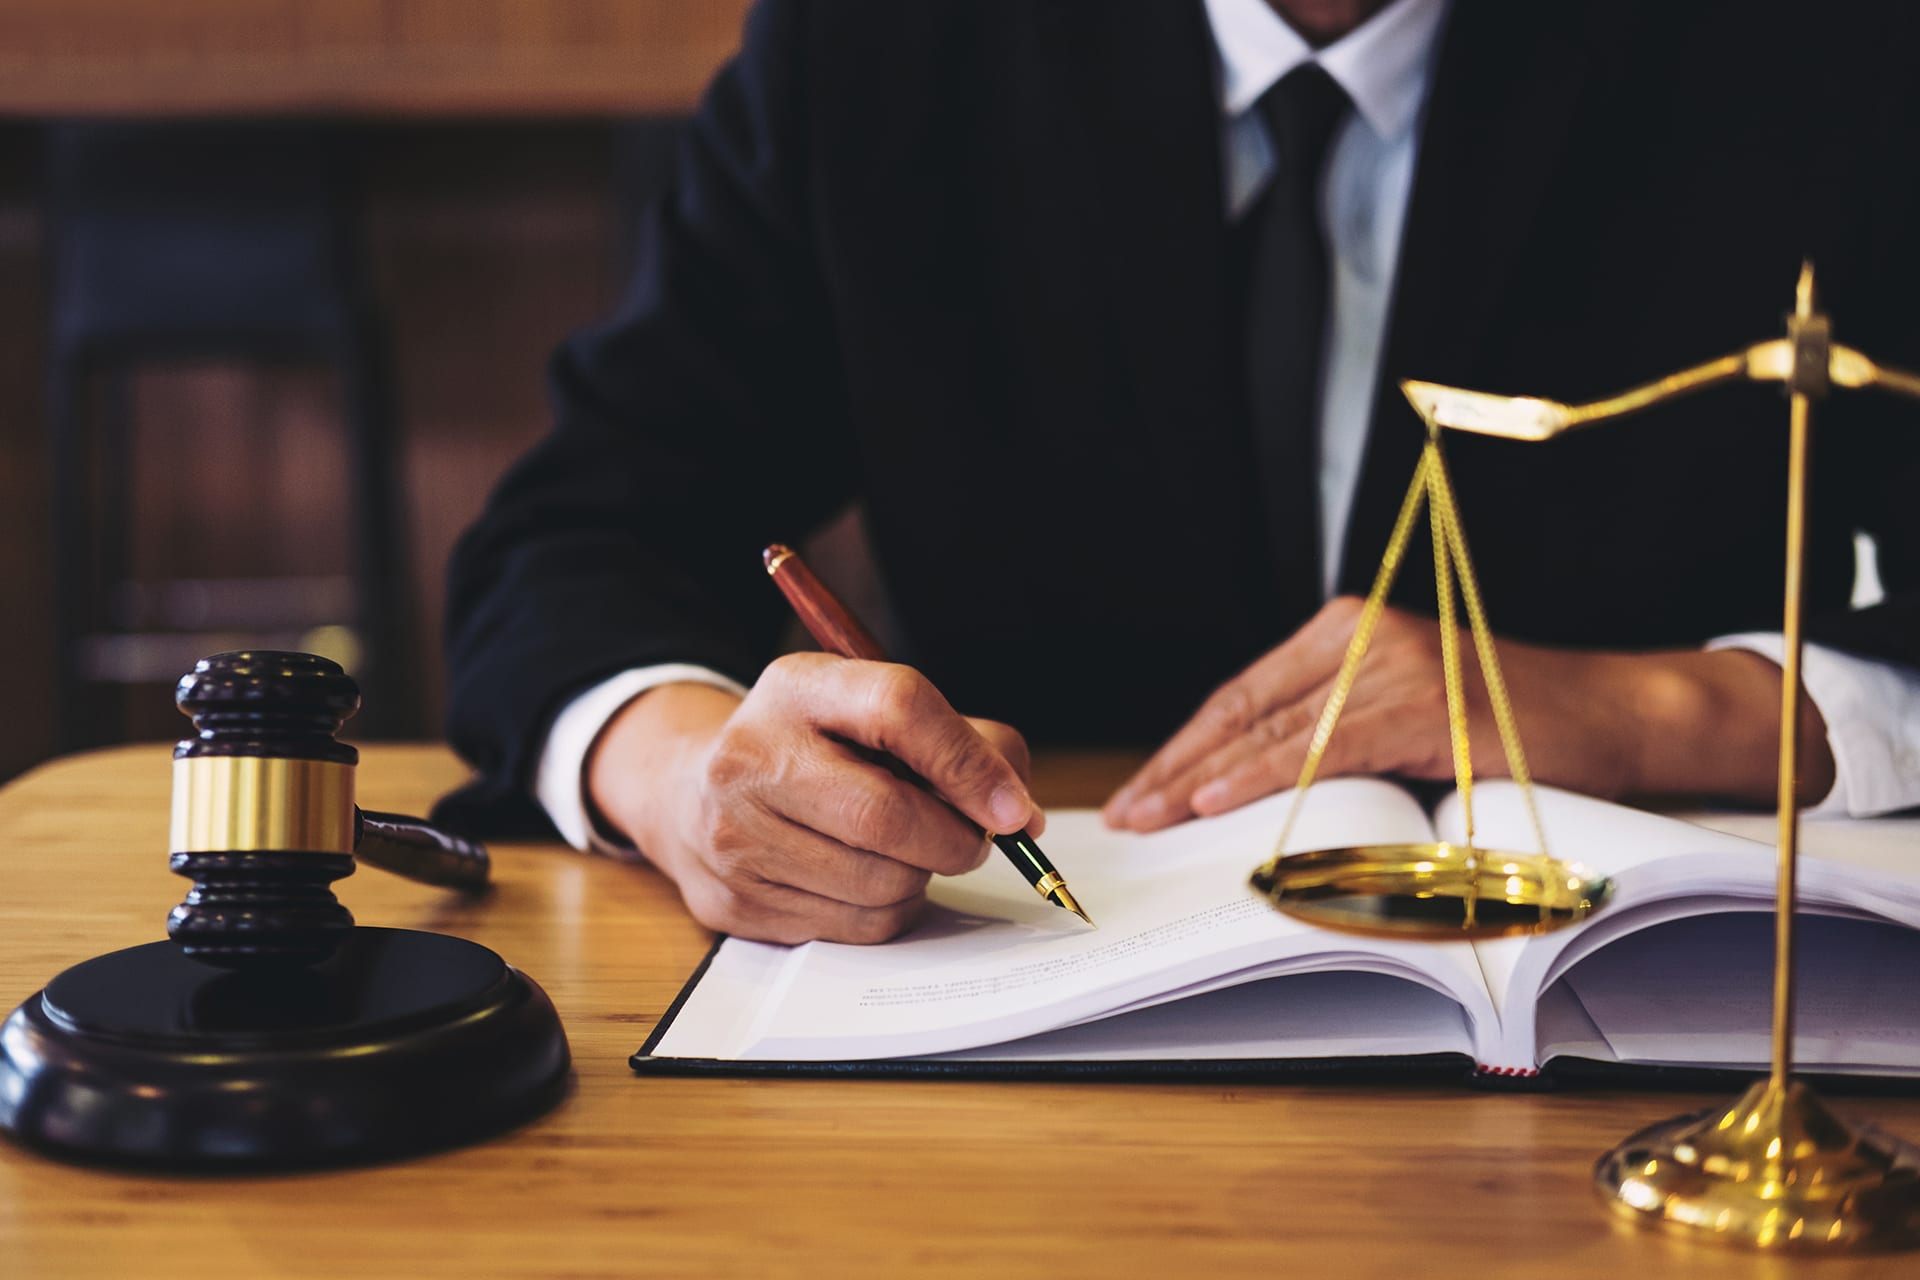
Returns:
<point x="409" y="847"/>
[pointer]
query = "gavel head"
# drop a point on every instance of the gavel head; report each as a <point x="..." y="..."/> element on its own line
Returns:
<point x="263" y="814"/>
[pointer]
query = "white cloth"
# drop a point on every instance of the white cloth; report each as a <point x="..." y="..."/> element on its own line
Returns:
<point x="560" y="781"/>
<point x="1385" y="65"/>
<point x="1872" y="710"/>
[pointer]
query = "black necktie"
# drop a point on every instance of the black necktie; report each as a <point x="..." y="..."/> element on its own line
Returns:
<point x="1287" y="296"/>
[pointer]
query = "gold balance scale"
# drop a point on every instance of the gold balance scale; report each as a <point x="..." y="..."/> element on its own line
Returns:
<point x="1774" y="1169"/>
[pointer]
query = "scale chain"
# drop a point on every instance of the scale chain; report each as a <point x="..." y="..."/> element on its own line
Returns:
<point x="1451" y="559"/>
<point x="1503" y="717"/>
<point x="1356" y="648"/>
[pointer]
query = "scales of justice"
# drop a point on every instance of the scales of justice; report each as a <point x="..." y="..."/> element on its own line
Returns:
<point x="1773" y="1169"/>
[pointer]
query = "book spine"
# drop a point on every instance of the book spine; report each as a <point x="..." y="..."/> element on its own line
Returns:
<point x="1513" y="1073"/>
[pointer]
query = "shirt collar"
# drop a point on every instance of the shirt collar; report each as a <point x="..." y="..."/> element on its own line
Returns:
<point x="1382" y="63"/>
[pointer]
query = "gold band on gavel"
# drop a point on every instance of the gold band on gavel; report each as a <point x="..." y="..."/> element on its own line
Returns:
<point x="223" y="803"/>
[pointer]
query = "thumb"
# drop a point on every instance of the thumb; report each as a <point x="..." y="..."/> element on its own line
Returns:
<point x="1011" y="745"/>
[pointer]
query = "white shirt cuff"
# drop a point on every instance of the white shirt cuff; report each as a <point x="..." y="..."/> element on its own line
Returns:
<point x="560" y="781"/>
<point x="1872" y="710"/>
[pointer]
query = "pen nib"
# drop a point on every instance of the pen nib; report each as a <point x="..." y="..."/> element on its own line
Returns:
<point x="1065" y="899"/>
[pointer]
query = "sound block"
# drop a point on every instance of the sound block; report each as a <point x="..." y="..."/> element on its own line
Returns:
<point x="400" y="1042"/>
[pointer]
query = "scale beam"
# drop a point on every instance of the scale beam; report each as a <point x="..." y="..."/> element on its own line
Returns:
<point x="1535" y="418"/>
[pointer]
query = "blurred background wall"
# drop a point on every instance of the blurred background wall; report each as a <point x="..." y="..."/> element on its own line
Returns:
<point x="495" y="152"/>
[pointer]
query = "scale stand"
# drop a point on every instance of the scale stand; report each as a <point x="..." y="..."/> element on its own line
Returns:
<point x="1774" y="1169"/>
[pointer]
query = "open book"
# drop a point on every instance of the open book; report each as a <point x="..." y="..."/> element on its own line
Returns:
<point x="1192" y="970"/>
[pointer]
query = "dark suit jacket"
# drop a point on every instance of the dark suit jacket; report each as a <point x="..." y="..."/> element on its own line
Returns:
<point x="966" y="260"/>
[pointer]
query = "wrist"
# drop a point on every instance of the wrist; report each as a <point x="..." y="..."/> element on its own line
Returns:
<point x="1709" y="725"/>
<point x="648" y="753"/>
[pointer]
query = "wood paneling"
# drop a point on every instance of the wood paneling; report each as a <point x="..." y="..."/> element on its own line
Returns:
<point x="491" y="57"/>
<point x="489" y="241"/>
<point x="26" y="569"/>
<point x="491" y="245"/>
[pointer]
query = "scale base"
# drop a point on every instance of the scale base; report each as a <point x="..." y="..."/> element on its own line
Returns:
<point x="400" y="1042"/>
<point x="1440" y="891"/>
<point x="1775" y="1170"/>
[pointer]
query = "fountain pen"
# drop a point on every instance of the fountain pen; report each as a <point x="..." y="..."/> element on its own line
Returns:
<point x="838" y="631"/>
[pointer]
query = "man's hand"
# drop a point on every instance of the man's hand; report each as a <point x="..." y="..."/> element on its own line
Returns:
<point x="778" y="815"/>
<point x="1683" y="722"/>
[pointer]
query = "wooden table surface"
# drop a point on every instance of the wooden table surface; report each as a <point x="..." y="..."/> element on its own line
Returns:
<point x="385" y="57"/>
<point x="788" y="1178"/>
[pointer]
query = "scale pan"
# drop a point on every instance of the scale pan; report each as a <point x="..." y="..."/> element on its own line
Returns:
<point x="1436" y="891"/>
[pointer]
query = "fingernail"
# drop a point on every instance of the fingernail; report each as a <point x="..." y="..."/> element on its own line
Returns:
<point x="1147" y="811"/>
<point x="1210" y="796"/>
<point x="1010" y="807"/>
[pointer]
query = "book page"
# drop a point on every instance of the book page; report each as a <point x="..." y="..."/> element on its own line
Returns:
<point x="1699" y="991"/>
<point x="1887" y="845"/>
<point x="992" y="962"/>
<point x="1310" y="1015"/>
<point x="1608" y="838"/>
<point x="1664" y="870"/>
<point x="714" y="1018"/>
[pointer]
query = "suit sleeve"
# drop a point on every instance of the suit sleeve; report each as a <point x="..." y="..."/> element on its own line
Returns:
<point x="702" y="421"/>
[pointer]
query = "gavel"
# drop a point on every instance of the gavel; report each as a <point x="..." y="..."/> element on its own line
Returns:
<point x="264" y="819"/>
<point x="268" y="1031"/>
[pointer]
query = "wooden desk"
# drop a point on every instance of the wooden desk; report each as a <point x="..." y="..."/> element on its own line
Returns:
<point x="441" y="57"/>
<point x="681" y="1177"/>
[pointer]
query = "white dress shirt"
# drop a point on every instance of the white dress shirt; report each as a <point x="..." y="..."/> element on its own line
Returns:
<point x="1872" y="709"/>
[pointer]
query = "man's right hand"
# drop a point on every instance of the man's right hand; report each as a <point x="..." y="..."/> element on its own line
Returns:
<point x="772" y="814"/>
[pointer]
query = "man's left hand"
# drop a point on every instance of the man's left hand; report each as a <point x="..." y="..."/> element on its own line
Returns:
<point x="1679" y="722"/>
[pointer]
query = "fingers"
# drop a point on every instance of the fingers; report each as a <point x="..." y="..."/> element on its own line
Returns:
<point x="1277" y="742"/>
<point x="860" y="806"/>
<point x="813" y="813"/>
<point x="1008" y="742"/>
<point x="755" y="871"/>
<point x="767" y="912"/>
<point x="798" y="858"/>
<point x="1372" y="740"/>
<point x="750" y="869"/>
<point x="897" y="710"/>
<point x="1278" y="681"/>
<point x="1252" y="737"/>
